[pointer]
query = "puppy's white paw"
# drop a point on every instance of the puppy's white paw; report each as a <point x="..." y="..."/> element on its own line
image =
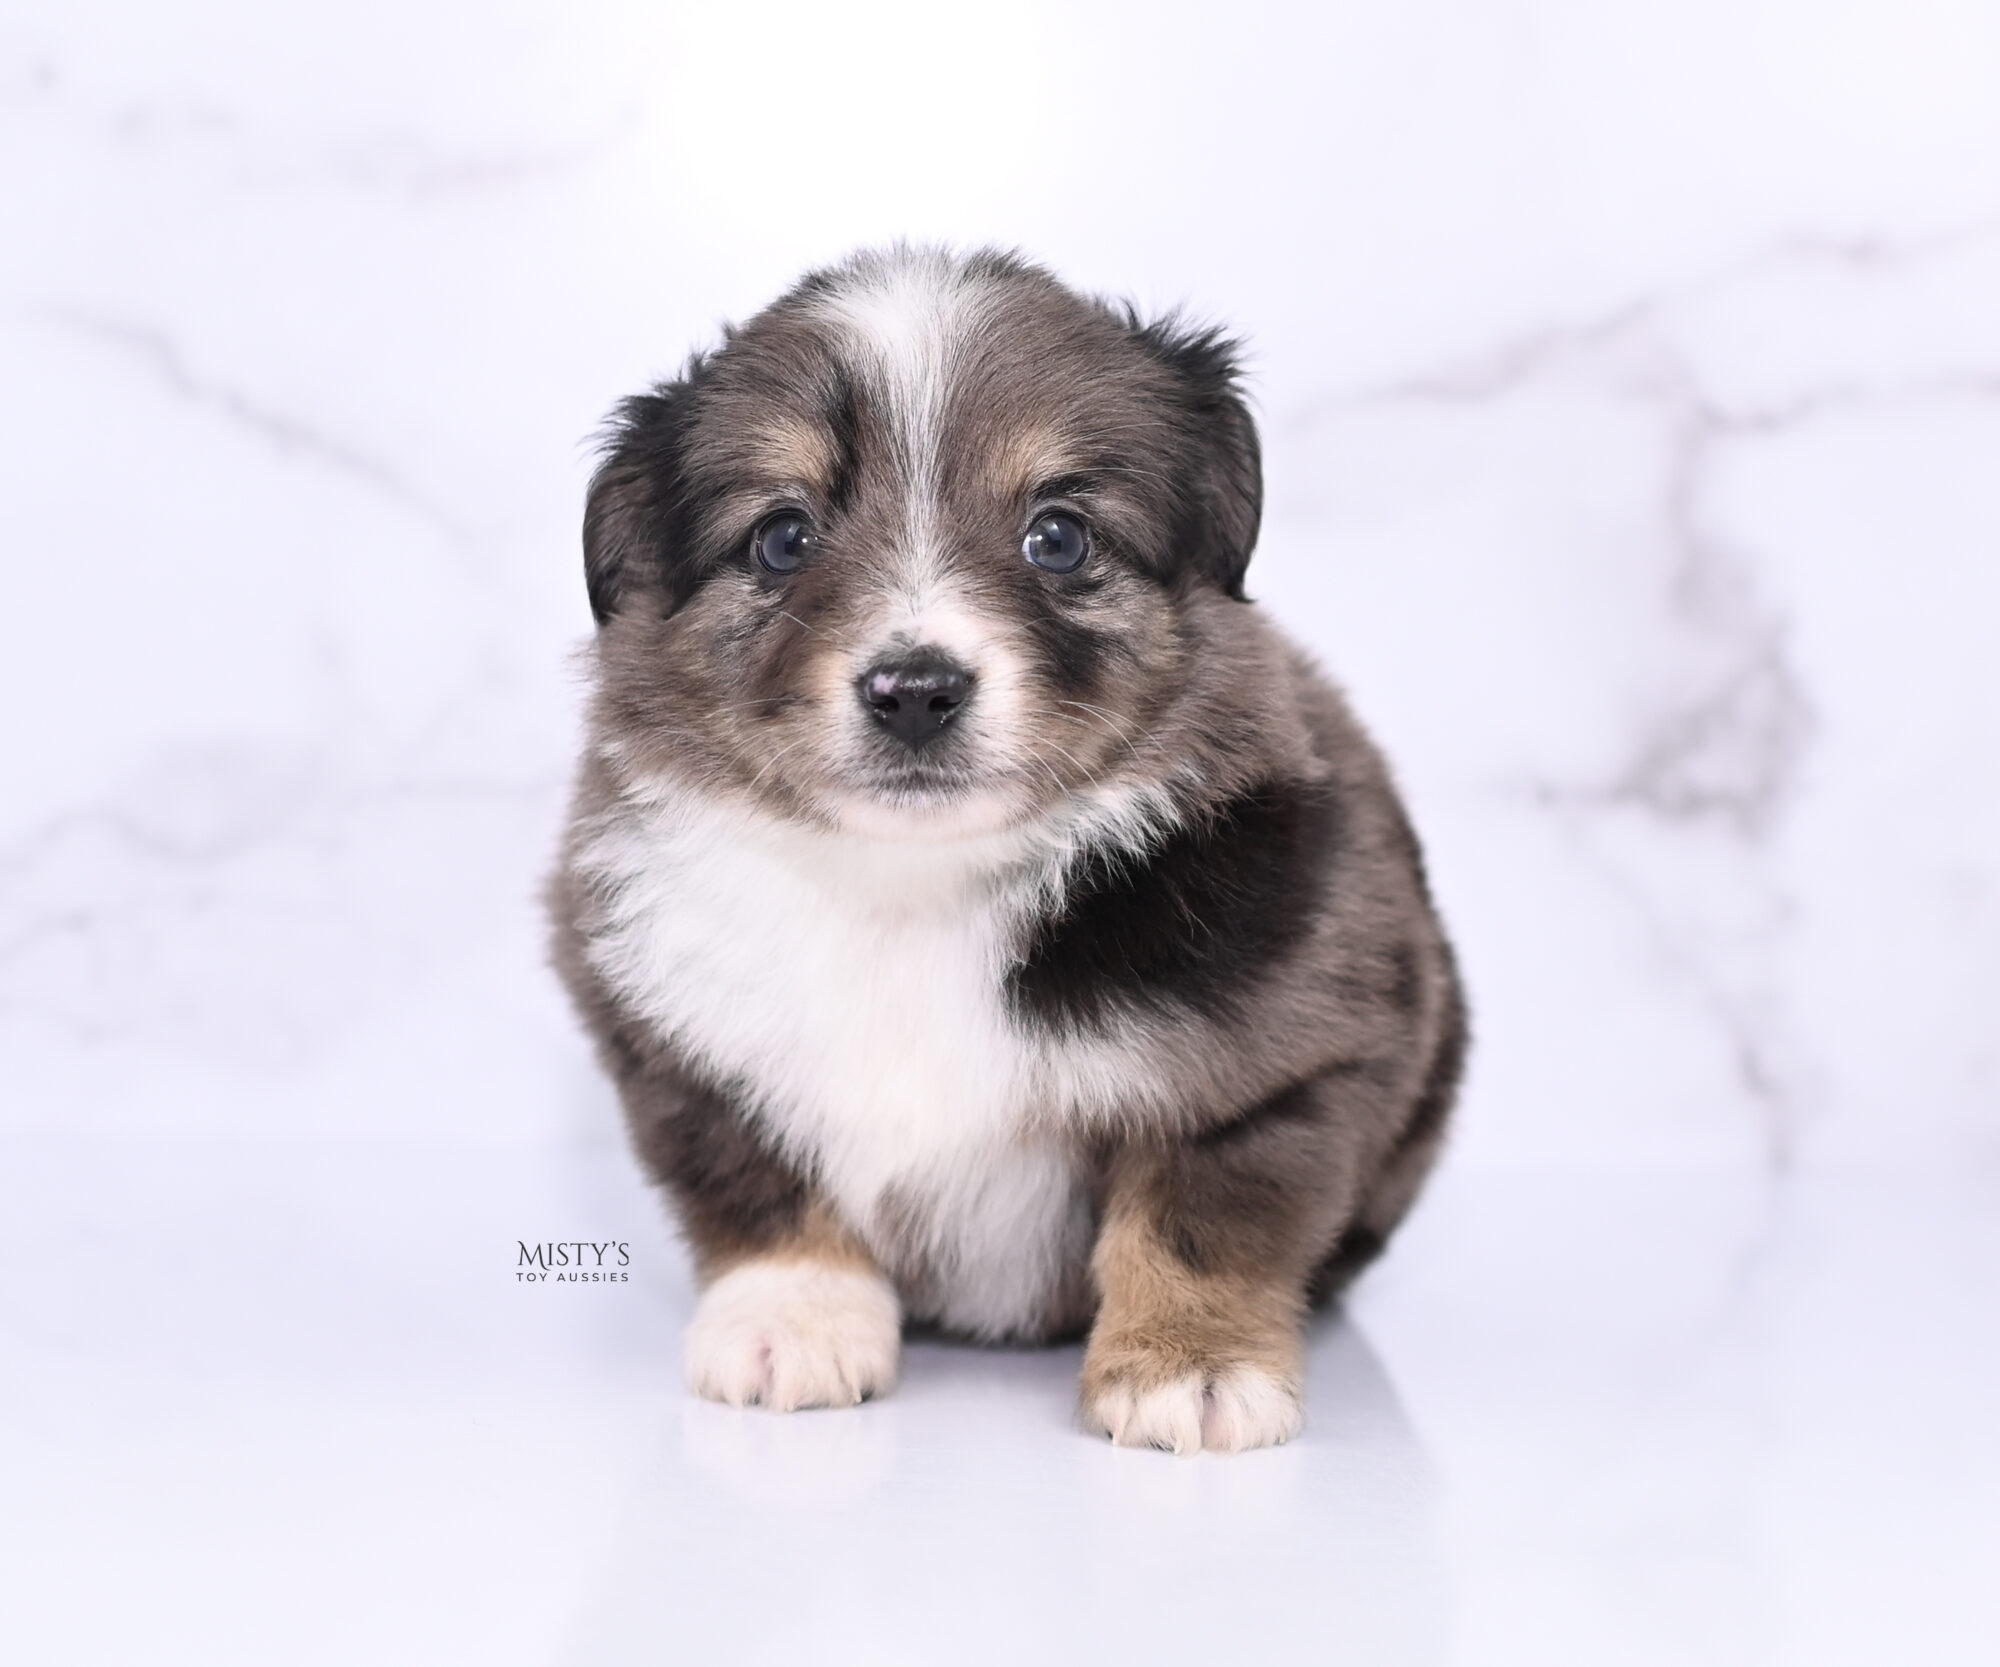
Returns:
<point x="792" y="1334"/>
<point x="1248" y="1408"/>
<point x="1228" y="1412"/>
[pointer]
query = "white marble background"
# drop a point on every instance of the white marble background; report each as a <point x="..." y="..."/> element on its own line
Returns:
<point x="1630" y="379"/>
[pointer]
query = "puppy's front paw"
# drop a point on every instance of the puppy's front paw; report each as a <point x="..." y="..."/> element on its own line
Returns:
<point x="1223" y="1411"/>
<point x="792" y="1334"/>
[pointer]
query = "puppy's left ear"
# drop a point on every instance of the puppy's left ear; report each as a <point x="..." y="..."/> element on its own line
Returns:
<point x="1224" y="500"/>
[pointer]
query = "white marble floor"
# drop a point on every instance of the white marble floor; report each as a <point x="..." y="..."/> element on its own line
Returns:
<point x="268" y="1401"/>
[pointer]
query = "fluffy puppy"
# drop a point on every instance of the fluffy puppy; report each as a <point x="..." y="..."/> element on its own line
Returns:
<point x="989" y="919"/>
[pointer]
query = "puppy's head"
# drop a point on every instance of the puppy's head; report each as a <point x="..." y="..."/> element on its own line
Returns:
<point x="914" y="550"/>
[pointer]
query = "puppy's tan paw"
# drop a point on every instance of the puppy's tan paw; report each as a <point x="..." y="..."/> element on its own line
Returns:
<point x="792" y="1334"/>
<point x="1228" y="1411"/>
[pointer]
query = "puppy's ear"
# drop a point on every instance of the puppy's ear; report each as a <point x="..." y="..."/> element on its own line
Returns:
<point x="632" y="533"/>
<point x="1224" y="495"/>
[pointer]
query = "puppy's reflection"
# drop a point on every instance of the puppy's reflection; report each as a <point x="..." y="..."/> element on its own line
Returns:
<point x="803" y="1462"/>
<point x="966" y="1518"/>
<point x="1326" y="1548"/>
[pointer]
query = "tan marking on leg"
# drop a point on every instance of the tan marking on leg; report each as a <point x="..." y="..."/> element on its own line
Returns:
<point x="1187" y="1361"/>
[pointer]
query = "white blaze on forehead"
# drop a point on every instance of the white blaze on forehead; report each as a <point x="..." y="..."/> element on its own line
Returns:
<point x="904" y="316"/>
<point x="904" y="319"/>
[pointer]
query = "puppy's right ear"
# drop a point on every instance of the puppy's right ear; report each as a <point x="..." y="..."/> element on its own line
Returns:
<point x="632" y="518"/>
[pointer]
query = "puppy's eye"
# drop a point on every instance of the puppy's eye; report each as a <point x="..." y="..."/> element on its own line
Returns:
<point x="783" y="542"/>
<point x="1057" y="543"/>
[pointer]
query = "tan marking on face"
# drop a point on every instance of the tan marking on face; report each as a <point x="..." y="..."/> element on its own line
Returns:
<point x="788" y="449"/>
<point x="729" y="512"/>
<point x="1029" y="456"/>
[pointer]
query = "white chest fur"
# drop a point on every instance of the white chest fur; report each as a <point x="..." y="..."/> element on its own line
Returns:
<point x="855" y="989"/>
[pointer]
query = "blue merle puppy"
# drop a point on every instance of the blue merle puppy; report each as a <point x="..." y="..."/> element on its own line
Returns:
<point x="989" y="918"/>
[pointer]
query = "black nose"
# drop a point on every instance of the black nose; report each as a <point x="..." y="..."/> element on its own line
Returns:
<point x="915" y="697"/>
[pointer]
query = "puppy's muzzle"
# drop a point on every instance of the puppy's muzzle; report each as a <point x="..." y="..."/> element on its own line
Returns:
<point x="916" y="696"/>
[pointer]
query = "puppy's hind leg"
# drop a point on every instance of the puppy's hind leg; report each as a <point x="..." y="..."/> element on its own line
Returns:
<point x="1393" y="1187"/>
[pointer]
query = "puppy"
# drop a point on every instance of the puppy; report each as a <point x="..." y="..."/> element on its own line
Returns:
<point x="989" y="919"/>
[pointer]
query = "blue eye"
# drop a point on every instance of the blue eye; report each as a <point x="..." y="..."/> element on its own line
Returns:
<point x="783" y="542"/>
<point x="1057" y="543"/>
